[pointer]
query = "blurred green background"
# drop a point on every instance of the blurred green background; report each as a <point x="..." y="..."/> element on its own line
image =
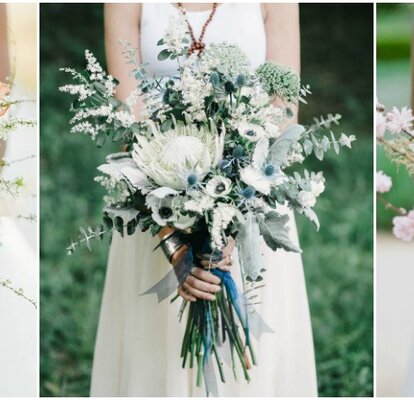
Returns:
<point x="394" y="35"/>
<point x="337" y="44"/>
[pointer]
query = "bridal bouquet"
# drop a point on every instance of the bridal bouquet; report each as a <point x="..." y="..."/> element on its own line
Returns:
<point x="12" y="191"/>
<point x="395" y="134"/>
<point x="210" y="157"/>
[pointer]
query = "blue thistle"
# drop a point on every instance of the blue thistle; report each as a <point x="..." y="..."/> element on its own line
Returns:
<point x="248" y="192"/>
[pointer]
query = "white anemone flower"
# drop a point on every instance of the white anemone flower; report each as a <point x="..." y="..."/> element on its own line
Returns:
<point x="160" y="201"/>
<point x="218" y="186"/>
<point x="170" y="157"/>
<point x="252" y="132"/>
<point x="262" y="175"/>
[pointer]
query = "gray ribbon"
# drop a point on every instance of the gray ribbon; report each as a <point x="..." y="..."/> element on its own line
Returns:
<point x="210" y="379"/>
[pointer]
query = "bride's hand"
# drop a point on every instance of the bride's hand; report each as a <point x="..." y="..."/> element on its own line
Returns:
<point x="200" y="284"/>
<point x="226" y="261"/>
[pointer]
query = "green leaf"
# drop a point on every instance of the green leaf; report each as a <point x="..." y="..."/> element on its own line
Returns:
<point x="275" y="232"/>
<point x="311" y="215"/>
<point x="160" y="42"/>
<point x="100" y="139"/>
<point x="335" y="143"/>
<point x="164" y="55"/>
<point x="166" y="125"/>
<point x="280" y="148"/>
<point x="307" y="146"/>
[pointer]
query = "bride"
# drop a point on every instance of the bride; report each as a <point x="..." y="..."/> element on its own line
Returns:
<point x="138" y="342"/>
<point x="18" y="261"/>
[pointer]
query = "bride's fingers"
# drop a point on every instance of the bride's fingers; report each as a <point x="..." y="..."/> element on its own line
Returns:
<point x="185" y="295"/>
<point x="198" y="293"/>
<point x="201" y="285"/>
<point x="225" y="263"/>
<point x="206" y="276"/>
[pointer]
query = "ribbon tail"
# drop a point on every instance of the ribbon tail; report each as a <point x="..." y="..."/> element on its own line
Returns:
<point x="210" y="379"/>
<point x="173" y="279"/>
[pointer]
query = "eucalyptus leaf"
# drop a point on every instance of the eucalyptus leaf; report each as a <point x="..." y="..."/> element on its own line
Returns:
<point x="307" y="146"/>
<point x="311" y="215"/>
<point x="280" y="148"/>
<point x="273" y="227"/>
<point x="163" y="55"/>
<point x="335" y="143"/>
<point x="248" y="244"/>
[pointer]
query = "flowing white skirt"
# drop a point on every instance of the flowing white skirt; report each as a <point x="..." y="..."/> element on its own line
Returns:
<point x="18" y="333"/>
<point x="19" y="263"/>
<point x="138" y="343"/>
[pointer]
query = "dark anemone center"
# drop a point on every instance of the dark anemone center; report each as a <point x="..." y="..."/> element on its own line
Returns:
<point x="250" y="132"/>
<point x="220" y="188"/>
<point x="165" y="212"/>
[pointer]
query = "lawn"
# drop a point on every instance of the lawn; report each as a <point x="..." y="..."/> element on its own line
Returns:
<point x="338" y="259"/>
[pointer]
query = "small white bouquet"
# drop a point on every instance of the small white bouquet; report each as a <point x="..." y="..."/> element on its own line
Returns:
<point x="394" y="131"/>
<point x="210" y="157"/>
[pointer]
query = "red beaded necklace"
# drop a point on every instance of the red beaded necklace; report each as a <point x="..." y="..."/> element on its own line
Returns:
<point x="197" y="45"/>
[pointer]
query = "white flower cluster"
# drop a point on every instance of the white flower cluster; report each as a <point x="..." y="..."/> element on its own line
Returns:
<point x="117" y="190"/>
<point x="99" y="75"/>
<point x="199" y="204"/>
<point x="307" y="198"/>
<point x="223" y="214"/>
<point x="226" y="59"/>
<point x="176" y="35"/>
<point x="194" y="89"/>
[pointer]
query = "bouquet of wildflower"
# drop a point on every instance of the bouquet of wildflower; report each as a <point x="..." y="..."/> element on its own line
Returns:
<point x="11" y="190"/>
<point x="210" y="157"/>
<point x="394" y="131"/>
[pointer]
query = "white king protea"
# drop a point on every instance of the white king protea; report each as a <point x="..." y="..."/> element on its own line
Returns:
<point x="179" y="157"/>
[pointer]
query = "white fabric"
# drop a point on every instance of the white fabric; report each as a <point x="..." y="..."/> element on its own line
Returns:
<point x="240" y="24"/>
<point x="19" y="263"/>
<point x="138" y="343"/>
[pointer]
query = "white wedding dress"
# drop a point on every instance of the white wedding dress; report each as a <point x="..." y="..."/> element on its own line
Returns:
<point x="138" y="342"/>
<point x="19" y="264"/>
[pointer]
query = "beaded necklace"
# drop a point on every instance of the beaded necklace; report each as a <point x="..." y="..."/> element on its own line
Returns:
<point x="197" y="45"/>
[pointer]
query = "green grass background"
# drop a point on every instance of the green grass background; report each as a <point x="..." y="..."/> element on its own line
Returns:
<point x="394" y="35"/>
<point x="337" y="62"/>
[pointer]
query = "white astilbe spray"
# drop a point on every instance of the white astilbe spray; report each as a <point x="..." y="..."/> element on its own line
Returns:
<point x="176" y="37"/>
<point x="223" y="214"/>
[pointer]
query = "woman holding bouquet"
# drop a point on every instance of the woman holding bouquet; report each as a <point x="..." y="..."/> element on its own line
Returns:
<point x="138" y="342"/>
<point x="18" y="263"/>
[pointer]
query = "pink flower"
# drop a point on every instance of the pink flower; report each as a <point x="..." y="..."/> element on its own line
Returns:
<point x="404" y="227"/>
<point x="381" y="124"/>
<point x="399" y="120"/>
<point x="384" y="182"/>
